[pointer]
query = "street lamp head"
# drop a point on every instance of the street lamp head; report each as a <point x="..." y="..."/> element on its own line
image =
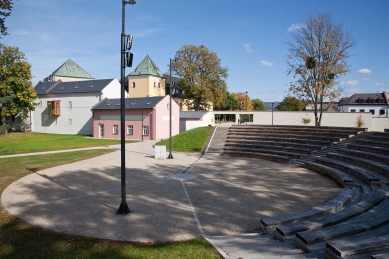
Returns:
<point x="131" y="2"/>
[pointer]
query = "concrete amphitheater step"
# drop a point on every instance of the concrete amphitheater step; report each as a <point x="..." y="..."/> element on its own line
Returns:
<point x="218" y="140"/>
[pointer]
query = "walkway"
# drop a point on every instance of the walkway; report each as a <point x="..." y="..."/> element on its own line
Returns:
<point x="170" y="201"/>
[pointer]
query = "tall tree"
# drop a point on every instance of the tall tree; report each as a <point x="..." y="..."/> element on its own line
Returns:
<point x="231" y="104"/>
<point x="291" y="103"/>
<point x="318" y="55"/>
<point x="205" y="77"/>
<point x="258" y="105"/>
<point x="5" y="11"/>
<point x="244" y="101"/>
<point x="15" y="81"/>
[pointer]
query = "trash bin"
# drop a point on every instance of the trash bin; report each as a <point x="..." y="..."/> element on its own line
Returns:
<point x="160" y="152"/>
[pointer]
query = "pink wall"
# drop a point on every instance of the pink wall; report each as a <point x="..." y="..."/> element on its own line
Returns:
<point x="109" y="123"/>
<point x="157" y="119"/>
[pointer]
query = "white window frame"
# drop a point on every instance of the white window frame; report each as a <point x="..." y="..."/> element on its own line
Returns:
<point x="115" y="129"/>
<point x="101" y="130"/>
<point x="146" y="131"/>
<point x="130" y="129"/>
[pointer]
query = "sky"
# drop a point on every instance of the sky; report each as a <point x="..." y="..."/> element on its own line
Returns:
<point x="249" y="36"/>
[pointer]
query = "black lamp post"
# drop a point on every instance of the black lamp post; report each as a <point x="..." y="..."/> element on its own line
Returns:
<point x="170" y="156"/>
<point x="125" y="60"/>
<point x="246" y="101"/>
<point x="272" y="105"/>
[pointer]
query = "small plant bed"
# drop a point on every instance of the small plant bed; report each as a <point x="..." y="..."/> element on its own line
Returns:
<point x="29" y="142"/>
<point x="188" y="141"/>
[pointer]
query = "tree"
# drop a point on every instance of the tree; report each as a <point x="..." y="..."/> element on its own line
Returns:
<point x="244" y="101"/>
<point x="5" y="11"/>
<point x="204" y="76"/>
<point x="317" y="57"/>
<point x="291" y="103"/>
<point x="258" y="105"/>
<point x="15" y="81"/>
<point x="231" y="104"/>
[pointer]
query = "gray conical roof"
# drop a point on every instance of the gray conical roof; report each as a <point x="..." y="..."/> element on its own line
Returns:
<point x="146" y="67"/>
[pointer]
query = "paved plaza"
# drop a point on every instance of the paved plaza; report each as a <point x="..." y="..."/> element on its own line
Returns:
<point x="179" y="199"/>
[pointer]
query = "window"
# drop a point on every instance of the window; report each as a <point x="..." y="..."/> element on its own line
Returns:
<point x="362" y="110"/>
<point x="372" y="111"/>
<point x="70" y="104"/>
<point x="53" y="108"/>
<point x="70" y="121"/>
<point x="101" y="130"/>
<point x="115" y="130"/>
<point x="145" y="130"/>
<point x="159" y="85"/>
<point x="133" y="84"/>
<point x="155" y="84"/>
<point x="130" y="129"/>
<point x="382" y="112"/>
<point x="352" y="110"/>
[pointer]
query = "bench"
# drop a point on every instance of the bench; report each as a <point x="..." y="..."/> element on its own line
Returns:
<point x="362" y="154"/>
<point x="339" y="176"/>
<point x="335" y="204"/>
<point x="351" y="210"/>
<point x="361" y="173"/>
<point x="371" y="149"/>
<point x="373" y="143"/>
<point x="373" y="218"/>
<point x="272" y="143"/>
<point x="276" y="158"/>
<point x="269" y="147"/>
<point x="281" y="139"/>
<point x="376" y="167"/>
<point x="263" y="151"/>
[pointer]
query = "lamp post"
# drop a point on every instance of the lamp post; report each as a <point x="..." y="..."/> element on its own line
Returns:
<point x="246" y="101"/>
<point x="124" y="61"/>
<point x="272" y="105"/>
<point x="170" y="156"/>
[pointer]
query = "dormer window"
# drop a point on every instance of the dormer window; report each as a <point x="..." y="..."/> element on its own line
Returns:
<point x="53" y="108"/>
<point x="361" y="100"/>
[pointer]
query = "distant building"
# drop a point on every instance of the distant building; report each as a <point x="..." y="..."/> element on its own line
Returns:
<point x="68" y="71"/>
<point x="327" y="107"/>
<point x="65" y="107"/>
<point x="375" y="103"/>
<point x="145" y="118"/>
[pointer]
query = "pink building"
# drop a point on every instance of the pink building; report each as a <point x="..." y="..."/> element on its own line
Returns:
<point x="146" y="118"/>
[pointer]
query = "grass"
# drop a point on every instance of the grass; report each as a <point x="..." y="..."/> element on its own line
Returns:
<point x="28" y="142"/>
<point x="188" y="141"/>
<point x="21" y="240"/>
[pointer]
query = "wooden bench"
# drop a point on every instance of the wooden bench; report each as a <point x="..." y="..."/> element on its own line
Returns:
<point x="366" y="155"/>
<point x="353" y="246"/>
<point x="306" y="135"/>
<point x="367" y="167"/>
<point x="273" y="143"/>
<point x="276" y="158"/>
<point x="335" y="204"/>
<point x="371" y="149"/>
<point x="384" y="255"/>
<point x="286" y="131"/>
<point x="263" y="151"/>
<point x="281" y="139"/>
<point x="373" y="143"/>
<point x="339" y="176"/>
<point x="351" y="210"/>
<point x="361" y="173"/>
<point x="269" y="147"/>
<point x="373" y="218"/>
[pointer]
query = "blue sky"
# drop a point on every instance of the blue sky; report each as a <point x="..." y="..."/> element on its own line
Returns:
<point x="249" y="37"/>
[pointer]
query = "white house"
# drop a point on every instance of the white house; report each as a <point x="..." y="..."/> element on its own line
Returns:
<point x="375" y="103"/>
<point x="65" y="107"/>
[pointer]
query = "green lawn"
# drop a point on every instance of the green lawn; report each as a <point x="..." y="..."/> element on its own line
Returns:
<point x="21" y="240"/>
<point x="26" y="142"/>
<point x="188" y="141"/>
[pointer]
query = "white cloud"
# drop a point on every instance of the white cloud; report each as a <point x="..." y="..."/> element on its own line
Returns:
<point x="364" y="71"/>
<point x="365" y="78"/>
<point x="350" y="82"/>
<point x="247" y="47"/>
<point x="380" y="84"/>
<point x="296" y="26"/>
<point x="266" y="63"/>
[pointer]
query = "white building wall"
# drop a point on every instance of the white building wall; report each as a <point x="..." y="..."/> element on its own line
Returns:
<point x="366" y="108"/>
<point x="112" y="90"/>
<point x="75" y="114"/>
<point x="207" y="119"/>
<point x="341" y="119"/>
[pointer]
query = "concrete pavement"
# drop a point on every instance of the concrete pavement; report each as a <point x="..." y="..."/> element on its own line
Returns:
<point x="179" y="199"/>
